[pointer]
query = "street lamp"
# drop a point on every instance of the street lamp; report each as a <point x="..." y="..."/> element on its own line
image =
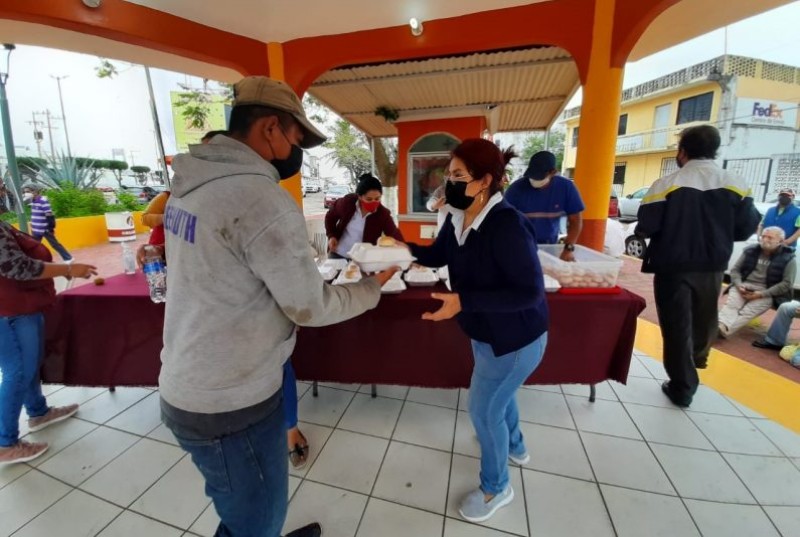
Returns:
<point x="16" y="182"/>
<point x="63" y="113"/>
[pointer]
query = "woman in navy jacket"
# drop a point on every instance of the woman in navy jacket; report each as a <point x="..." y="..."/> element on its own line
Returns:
<point x="498" y="299"/>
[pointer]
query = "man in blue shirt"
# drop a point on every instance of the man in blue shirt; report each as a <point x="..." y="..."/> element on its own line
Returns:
<point x="785" y="215"/>
<point x="544" y="197"/>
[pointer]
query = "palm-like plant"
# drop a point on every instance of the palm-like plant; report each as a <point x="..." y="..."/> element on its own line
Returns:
<point x="62" y="169"/>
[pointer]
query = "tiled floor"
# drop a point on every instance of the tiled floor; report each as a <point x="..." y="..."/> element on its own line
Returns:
<point x="629" y="464"/>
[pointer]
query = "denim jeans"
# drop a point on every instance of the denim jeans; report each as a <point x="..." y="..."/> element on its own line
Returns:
<point x="246" y="475"/>
<point x="57" y="246"/>
<point x="782" y="323"/>
<point x="493" y="407"/>
<point x="289" y="395"/>
<point x="21" y="347"/>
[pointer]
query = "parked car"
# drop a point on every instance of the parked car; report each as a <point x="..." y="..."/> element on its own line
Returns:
<point x="333" y="194"/>
<point x="629" y="205"/>
<point x="311" y="185"/>
<point x="144" y="193"/>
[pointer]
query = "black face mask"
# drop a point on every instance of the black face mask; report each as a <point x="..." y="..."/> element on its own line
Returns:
<point x="784" y="201"/>
<point x="455" y="195"/>
<point x="289" y="167"/>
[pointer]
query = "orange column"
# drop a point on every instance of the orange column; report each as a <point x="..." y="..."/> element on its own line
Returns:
<point x="594" y="168"/>
<point x="276" y="71"/>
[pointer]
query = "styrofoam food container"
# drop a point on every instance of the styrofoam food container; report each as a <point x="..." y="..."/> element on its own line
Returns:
<point x="590" y="269"/>
<point x="377" y="258"/>
<point x="393" y="286"/>
<point x="421" y="277"/>
<point x="444" y="273"/>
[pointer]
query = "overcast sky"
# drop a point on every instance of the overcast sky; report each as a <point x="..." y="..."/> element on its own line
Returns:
<point x="103" y="114"/>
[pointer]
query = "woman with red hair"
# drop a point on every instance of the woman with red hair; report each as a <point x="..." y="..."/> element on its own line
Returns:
<point x="498" y="299"/>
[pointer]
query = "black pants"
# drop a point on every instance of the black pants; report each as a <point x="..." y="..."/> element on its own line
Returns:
<point x="687" y="312"/>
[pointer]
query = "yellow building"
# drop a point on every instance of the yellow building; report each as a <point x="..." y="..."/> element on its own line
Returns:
<point x="753" y="103"/>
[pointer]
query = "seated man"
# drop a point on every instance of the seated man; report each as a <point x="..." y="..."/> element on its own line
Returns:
<point x="779" y="329"/>
<point x="761" y="278"/>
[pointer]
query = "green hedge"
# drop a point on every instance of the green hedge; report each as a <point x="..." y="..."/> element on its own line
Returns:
<point x="71" y="202"/>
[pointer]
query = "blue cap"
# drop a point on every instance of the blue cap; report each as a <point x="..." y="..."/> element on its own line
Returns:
<point x="540" y="165"/>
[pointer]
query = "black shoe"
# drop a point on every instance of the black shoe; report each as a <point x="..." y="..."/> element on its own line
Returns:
<point x="312" y="530"/>
<point x="700" y="363"/>
<point x="764" y="344"/>
<point x="683" y="403"/>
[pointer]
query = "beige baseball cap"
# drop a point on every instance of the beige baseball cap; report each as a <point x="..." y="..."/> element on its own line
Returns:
<point x="265" y="91"/>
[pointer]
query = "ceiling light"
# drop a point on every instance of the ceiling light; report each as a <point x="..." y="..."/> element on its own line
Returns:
<point x="416" y="26"/>
<point x="92" y="3"/>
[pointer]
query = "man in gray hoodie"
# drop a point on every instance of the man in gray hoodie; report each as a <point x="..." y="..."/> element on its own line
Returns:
<point x="241" y="279"/>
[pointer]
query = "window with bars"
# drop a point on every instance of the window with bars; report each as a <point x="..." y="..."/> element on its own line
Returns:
<point x="668" y="165"/>
<point x="575" y="137"/>
<point x="697" y="108"/>
<point x="619" y="173"/>
<point x="622" y="128"/>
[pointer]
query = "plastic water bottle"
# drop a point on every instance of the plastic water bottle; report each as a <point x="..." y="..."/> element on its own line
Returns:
<point x="128" y="259"/>
<point x="156" y="273"/>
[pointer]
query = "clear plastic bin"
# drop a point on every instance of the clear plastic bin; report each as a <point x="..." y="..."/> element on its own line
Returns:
<point x="591" y="269"/>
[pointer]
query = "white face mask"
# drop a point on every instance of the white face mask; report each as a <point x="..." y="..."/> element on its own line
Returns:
<point x="27" y="196"/>
<point x="539" y="183"/>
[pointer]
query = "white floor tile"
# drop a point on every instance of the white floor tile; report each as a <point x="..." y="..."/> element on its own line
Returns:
<point x="294" y="483"/>
<point x="340" y="386"/>
<point x="141" y="418"/>
<point x="644" y="391"/>
<point x="552" y="515"/>
<point x="434" y="396"/>
<point x="178" y="498"/>
<point x="787" y="441"/>
<point x="384" y="519"/>
<point x="458" y="528"/>
<point x="12" y="472"/>
<point x="325" y="409"/>
<point x="626" y="463"/>
<point x="602" y="391"/>
<point x="786" y="519"/>
<point x="76" y="515"/>
<point x="734" y="435"/>
<point x="655" y="367"/>
<point x="667" y="425"/>
<point x="163" y="434"/>
<point x="466" y="442"/>
<point x="544" y="408"/>
<point x="414" y="476"/>
<point x="302" y="388"/>
<point x="636" y="514"/>
<point x="50" y="389"/>
<point x="108" y="404"/>
<point x="316" y="435"/>
<point x="386" y="390"/>
<point x="556" y="450"/>
<point x="712" y="402"/>
<point x="350" y="461"/>
<point x="74" y="395"/>
<point x="133" y="472"/>
<point x="426" y="425"/>
<point x="465" y="478"/>
<point x="772" y="480"/>
<point x="702" y="475"/>
<point x="82" y="459"/>
<point x="207" y="523"/>
<point x="26" y="497"/>
<point x="337" y="510"/>
<point x="552" y="388"/>
<point x="376" y="416"/>
<point x="724" y="520"/>
<point x="60" y="435"/>
<point x="606" y="417"/>
<point x="638" y="369"/>
<point x="129" y="524"/>
<point x="746" y="410"/>
<point x="463" y="399"/>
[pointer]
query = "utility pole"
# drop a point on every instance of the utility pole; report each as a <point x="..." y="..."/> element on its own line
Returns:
<point x="38" y="136"/>
<point x="162" y="161"/>
<point x="63" y="113"/>
<point x="16" y="182"/>
<point x="50" y="128"/>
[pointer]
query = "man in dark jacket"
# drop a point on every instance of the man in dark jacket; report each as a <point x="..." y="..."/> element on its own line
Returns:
<point x="692" y="217"/>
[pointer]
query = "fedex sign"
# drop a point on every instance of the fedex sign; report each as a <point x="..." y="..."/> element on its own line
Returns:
<point x="766" y="112"/>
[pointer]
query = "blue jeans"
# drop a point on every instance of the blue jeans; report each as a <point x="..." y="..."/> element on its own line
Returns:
<point x="247" y="476"/>
<point x="289" y="395"/>
<point x="493" y="407"/>
<point x="782" y="323"/>
<point x="57" y="246"/>
<point x="21" y="348"/>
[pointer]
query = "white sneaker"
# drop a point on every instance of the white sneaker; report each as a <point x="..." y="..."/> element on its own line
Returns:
<point x="520" y="460"/>
<point x="475" y="509"/>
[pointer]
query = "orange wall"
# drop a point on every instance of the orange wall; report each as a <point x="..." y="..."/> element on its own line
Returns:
<point x="408" y="134"/>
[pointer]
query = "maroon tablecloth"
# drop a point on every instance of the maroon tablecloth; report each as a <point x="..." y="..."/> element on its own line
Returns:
<point x="111" y="336"/>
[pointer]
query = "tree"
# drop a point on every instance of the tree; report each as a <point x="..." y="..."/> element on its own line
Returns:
<point x="63" y="171"/>
<point x="29" y="167"/>
<point x="117" y="167"/>
<point x="141" y="173"/>
<point x="535" y="143"/>
<point x="386" y="160"/>
<point x="349" y="150"/>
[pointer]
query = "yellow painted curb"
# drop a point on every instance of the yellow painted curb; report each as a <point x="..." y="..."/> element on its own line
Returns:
<point x="769" y="394"/>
